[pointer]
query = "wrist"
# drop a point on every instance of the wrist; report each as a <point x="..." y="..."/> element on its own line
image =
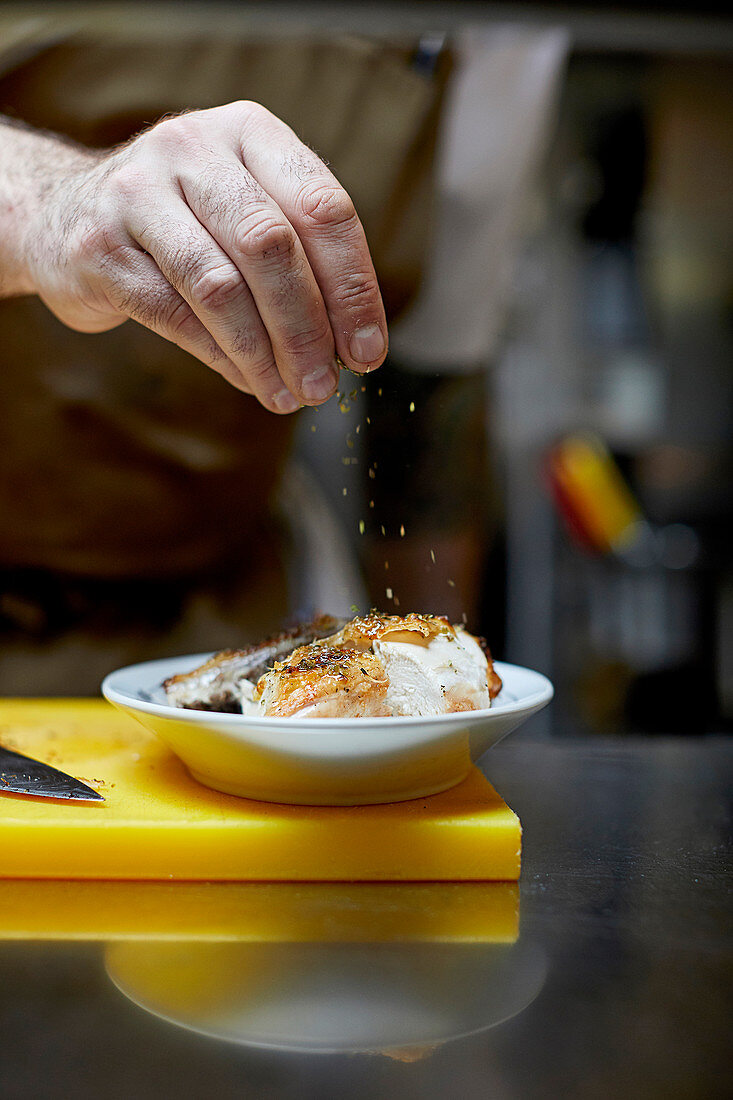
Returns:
<point x="37" y="169"/>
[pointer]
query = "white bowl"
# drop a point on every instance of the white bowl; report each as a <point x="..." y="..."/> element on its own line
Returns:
<point x="324" y="761"/>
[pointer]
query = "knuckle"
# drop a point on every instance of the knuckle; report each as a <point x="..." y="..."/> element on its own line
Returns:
<point x="303" y="341"/>
<point x="231" y="373"/>
<point x="249" y="116"/>
<point x="218" y="288"/>
<point x="174" y="130"/>
<point x="261" y="374"/>
<point x="249" y="108"/>
<point x="326" y="206"/>
<point x="130" y="181"/>
<point x="357" y="291"/>
<point x="268" y="239"/>
<point x="180" y="322"/>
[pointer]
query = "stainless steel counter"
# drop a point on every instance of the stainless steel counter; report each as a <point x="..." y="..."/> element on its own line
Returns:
<point x="619" y="984"/>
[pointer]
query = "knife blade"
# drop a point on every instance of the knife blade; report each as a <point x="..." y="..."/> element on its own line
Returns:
<point x="21" y="774"/>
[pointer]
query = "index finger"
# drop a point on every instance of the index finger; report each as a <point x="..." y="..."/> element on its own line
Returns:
<point x="324" y="218"/>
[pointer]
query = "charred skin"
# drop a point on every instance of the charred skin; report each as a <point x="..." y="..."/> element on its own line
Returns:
<point x="213" y="685"/>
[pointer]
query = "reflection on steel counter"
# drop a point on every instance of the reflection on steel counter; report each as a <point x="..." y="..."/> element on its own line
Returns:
<point x="317" y="967"/>
<point x="399" y="999"/>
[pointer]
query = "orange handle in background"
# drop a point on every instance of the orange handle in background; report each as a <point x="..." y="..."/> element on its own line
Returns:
<point x="595" y="502"/>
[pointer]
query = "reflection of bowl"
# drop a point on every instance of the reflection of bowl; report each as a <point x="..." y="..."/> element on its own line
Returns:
<point x="331" y="997"/>
<point x="324" y="761"/>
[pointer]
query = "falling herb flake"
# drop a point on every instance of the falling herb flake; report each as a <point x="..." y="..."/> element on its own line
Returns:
<point x="349" y="442"/>
<point x="372" y="475"/>
<point x="389" y="593"/>
<point x="402" y="530"/>
<point x="396" y="601"/>
<point x="451" y="583"/>
<point x="358" y="426"/>
<point x="344" y="491"/>
<point x="361" y="526"/>
<point x="382" y="529"/>
<point x="379" y="391"/>
<point x="386" y="564"/>
<point x="313" y="427"/>
<point x="432" y="556"/>
<point x="412" y="406"/>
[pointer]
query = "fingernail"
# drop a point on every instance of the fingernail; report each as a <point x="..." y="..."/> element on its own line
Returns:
<point x="367" y="344"/>
<point x="320" y="384"/>
<point x="285" y="402"/>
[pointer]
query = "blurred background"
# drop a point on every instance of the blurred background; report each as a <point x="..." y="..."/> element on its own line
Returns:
<point x="547" y="454"/>
<point x="607" y="554"/>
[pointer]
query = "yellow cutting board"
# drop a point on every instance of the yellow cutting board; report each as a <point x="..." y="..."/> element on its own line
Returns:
<point x="158" y="823"/>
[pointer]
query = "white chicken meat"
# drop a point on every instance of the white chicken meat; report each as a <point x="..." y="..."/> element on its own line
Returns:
<point x="449" y="673"/>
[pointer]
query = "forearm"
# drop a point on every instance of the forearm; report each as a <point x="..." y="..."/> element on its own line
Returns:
<point x="33" y="164"/>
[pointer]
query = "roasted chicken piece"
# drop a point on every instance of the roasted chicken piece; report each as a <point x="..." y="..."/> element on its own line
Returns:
<point x="374" y="665"/>
<point x="325" y="681"/>
<point x="400" y="664"/>
<point x="226" y="681"/>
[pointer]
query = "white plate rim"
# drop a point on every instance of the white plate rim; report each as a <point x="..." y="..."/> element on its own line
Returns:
<point x="543" y="694"/>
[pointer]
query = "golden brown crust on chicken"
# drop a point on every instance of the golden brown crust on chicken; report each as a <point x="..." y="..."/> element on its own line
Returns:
<point x="364" y="630"/>
<point x="335" y="682"/>
<point x="495" y="683"/>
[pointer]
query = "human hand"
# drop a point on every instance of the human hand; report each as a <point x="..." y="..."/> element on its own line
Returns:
<point x="222" y="232"/>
